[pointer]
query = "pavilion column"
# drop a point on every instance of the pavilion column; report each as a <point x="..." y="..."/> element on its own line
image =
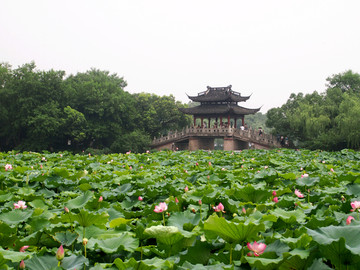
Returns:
<point x="235" y="122"/>
<point x="202" y="122"/>
<point x="209" y="122"/>
<point x="220" y="121"/>
<point x="243" y="121"/>
<point x="228" y="120"/>
<point x="194" y="121"/>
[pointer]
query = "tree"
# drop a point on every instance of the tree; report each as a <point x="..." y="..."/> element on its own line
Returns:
<point x="158" y="115"/>
<point x="108" y="109"/>
<point x="322" y="121"/>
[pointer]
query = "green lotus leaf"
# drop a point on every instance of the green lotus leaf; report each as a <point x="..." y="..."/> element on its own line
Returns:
<point x="232" y="232"/>
<point x="318" y="264"/>
<point x="184" y="220"/>
<point x="14" y="256"/>
<point x="301" y="242"/>
<point x="124" y="241"/>
<point x="50" y="262"/>
<point x="80" y="201"/>
<point x="253" y="193"/>
<point x="148" y="264"/>
<point x="118" y="222"/>
<point x="167" y="235"/>
<point x="66" y="238"/>
<point x="87" y="219"/>
<point x="39" y="223"/>
<point x="85" y="187"/>
<point x="295" y="216"/>
<point x="353" y="189"/>
<point x="295" y="259"/>
<point x="307" y="181"/>
<point x="38" y="204"/>
<point x="6" y="197"/>
<point x="339" y="245"/>
<point x="16" y="216"/>
<point x="264" y="263"/>
<point x="199" y="253"/>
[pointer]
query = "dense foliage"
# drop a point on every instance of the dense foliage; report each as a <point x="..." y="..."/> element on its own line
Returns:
<point x="255" y="209"/>
<point x="330" y="120"/>
<point x="43" y="110"/>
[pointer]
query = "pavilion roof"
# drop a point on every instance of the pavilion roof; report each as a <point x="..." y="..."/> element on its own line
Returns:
<point x="218" y="109"/>
<point x="219" y="94"/>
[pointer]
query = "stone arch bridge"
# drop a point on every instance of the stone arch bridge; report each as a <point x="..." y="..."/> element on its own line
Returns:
<point x="192" y="138"/>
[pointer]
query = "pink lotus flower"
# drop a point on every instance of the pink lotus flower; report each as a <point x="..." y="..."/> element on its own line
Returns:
<point x="274" y="193"/>
<point x="66" y="209"/>
<point x="140" y="198"/>
<point x="8" y="167"/>
<point x="20" y="205"/>
<point x="60" y="253"/>
<point x="176" y="200"/>
<point x="332" y="170"/>
<point x="209" y="163"/>
<point x="200" y="202"/>
<point x="22" y="265"/>
<point x="304" y="175"/>
<point x="243" y="210"/>
<point x="161" y="207"/>
<point x="219" y="208"/>
<point x="299" y="194"/>
<point x="23" y="248"/>
<point x="355" y="205"/>
<point x="349" y="219"/>
<point x="197" y="164"/>
<point x="275" y="200"/>
<point x="186" y="189"/>
<point x="101" y="199"/>
<point x="257" y="248"/>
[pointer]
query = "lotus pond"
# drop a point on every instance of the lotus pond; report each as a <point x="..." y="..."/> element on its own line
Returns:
<point x="255" y="209"/>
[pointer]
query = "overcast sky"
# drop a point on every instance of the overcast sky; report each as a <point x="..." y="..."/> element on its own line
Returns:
<point x="269" y="49"/>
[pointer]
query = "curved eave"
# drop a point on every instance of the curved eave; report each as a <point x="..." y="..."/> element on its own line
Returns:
<point x="231" y="98"/>
<point x="218" y="110"/>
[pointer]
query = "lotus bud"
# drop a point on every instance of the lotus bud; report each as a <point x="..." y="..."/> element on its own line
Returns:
<point x="100" y="199"/>
<point x="23" y="248"/>
<point x="200" y="202"/>
<point x="66" y="209"/>
<point x="22" y="265"/>
<point x="85" y="241"/>
<point x="60" y="253"/>
<point x="274" y="193"/>
<point x="140" y="198"/>
<point x="186" y="189"/>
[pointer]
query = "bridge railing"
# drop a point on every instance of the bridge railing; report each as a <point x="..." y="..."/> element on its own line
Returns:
<point x="250" y="135"/>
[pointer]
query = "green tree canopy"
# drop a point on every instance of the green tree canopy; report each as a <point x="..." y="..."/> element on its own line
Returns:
<point x="322" y="121"/>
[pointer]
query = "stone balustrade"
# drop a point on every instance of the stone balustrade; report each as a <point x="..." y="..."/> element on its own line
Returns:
<point x="249" y="135"/>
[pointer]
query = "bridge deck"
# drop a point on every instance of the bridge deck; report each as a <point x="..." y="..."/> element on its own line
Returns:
<point x="250" y="135"/>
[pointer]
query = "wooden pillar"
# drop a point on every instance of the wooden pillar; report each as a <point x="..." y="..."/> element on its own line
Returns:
<point x="235" y="121"/>
<point x="202" y="122"/>
<point x="194" y="121"/>
<point x="243" y="121"/>
<point x="209" y="120"/>
<point x="220" y="121"/>
<point x="228" y="120"/>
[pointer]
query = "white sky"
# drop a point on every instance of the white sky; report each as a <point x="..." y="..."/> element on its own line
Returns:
<point x="269" y="49"/>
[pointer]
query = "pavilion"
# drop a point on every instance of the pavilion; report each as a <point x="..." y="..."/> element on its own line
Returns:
<point x="218" y="108"/>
